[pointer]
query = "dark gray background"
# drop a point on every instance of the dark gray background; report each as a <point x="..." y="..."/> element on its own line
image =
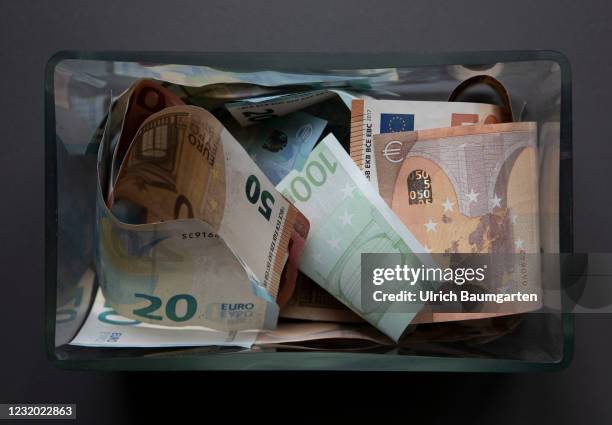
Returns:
<point x="31" y="31"/>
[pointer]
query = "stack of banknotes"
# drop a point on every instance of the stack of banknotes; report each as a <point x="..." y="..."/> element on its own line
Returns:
<point x="235" y="214"/>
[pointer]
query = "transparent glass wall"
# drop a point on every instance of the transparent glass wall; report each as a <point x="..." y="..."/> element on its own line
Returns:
<point x="80" y="89"/>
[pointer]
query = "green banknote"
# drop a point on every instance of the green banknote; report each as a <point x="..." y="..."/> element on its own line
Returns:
<point x="347" y="218"/>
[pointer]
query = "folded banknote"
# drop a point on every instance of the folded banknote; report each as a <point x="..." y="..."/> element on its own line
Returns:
<point x="232" y="226"/>
<point x="347" y="218"/>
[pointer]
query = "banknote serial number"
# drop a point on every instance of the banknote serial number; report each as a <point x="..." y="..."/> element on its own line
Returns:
<point x="419" y="188"/>
<point x="198" y="235"/>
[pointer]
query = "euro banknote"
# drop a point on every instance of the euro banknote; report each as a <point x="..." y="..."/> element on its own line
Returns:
<point x="282" y="144"/>
<point x="347" y="218"/>
<point x="192" y="75"/>
<point x="289" y="332"/>
<point x="471" y="189"/>
<point x="251" y="111"/>
<point x="104" y="327"/>
<point x="184" y="164"/>
<point x="177" y="272"/>
<point x="374" y="116"/>
<point x="311" y="302"/>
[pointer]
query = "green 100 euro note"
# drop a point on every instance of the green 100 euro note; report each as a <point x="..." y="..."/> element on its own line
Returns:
<point x="347" y="218"/>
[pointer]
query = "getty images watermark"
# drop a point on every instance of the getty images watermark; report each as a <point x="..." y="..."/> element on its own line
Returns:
<point x="459" y="276"/>
<point x="486" y="283"/>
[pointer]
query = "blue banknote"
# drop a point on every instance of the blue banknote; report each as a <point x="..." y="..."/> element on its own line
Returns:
<point x="282" y="144"/>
